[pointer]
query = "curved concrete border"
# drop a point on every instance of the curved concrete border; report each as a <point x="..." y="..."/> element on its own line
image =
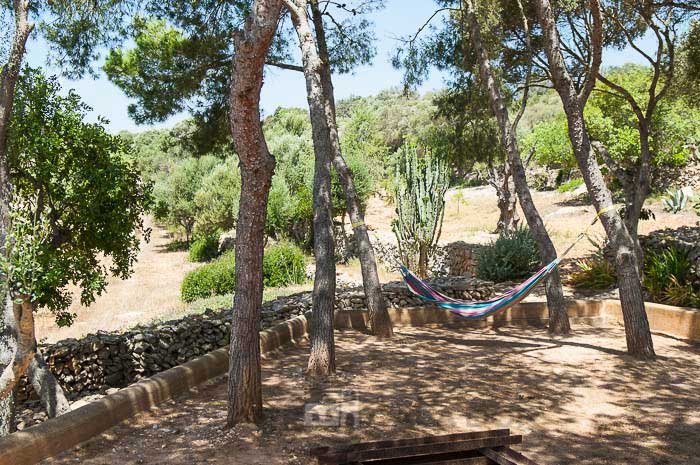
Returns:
<point x="58" y="434"/>
<point x="32" y="445"/>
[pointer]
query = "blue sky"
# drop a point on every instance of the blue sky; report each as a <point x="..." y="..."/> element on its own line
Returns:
<point x="287" y="88"/>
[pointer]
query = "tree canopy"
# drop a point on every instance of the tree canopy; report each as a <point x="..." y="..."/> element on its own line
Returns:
<point x="78" y="198"/>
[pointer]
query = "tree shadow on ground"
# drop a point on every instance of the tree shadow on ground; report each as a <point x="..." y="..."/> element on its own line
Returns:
<point x="582" y="200"/>
<point x="577" y="400"/>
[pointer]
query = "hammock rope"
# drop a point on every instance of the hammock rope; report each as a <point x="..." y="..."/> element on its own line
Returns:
<point x="480" y="309"/>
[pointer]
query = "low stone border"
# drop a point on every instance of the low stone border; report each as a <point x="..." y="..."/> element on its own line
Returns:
<point x="56" y="435"/>
<point x="32" y="445"/>
<point x="524" y="314"/>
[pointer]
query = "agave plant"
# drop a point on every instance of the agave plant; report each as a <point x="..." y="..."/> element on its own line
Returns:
<point x="675" y="201"/>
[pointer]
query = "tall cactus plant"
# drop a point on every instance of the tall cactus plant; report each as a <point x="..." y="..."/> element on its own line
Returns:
<point x="421" y="180"/>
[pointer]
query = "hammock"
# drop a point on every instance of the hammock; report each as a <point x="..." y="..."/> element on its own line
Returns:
<point x="480" y="309"/>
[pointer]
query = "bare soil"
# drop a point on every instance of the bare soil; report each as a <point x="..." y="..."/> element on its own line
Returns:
<point x="576" y="400"/>
<point x="152" y="291"/>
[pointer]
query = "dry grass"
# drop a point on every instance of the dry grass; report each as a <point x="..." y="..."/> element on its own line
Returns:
<point x="151" y="292"/>
<point x="473" y="217"/>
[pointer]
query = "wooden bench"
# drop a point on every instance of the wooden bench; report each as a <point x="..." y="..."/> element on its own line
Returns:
<point x="475" y="448"/>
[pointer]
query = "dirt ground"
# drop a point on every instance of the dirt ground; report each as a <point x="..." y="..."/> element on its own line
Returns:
<point x="152" y="291"/>
<point x="576" y="400"/>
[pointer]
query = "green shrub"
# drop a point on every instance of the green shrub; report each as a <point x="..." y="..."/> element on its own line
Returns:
<point x="595" y="272"/>
<point x="570" y="186"/>
<point x="204" y="249"/>
<point x="215" y="278"/>
<point x="666" y="277"/>
<point x="514" y="255"/>
<point x="283" y="264"/>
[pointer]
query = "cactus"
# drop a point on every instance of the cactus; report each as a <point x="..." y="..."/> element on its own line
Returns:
<point x="675" y="201"/>
<point x="421" y="181"/>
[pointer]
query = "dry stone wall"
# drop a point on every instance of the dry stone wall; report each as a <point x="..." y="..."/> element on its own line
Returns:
<point x="101" y="361"/>
<point x="454" y="259"/>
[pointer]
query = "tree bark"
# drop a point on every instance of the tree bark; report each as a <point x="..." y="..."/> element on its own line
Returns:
<point x="639" y="341"/>
<point x="322" y="358"/>
<point x="47" y="388"/>
<point x="9" y="345"/>
<point x="20" y="325"/>
<point x="558" y="319"/>
<point x="380" y="323"/>
<point x="499" y="179"/>
<point x="257" y="167"/>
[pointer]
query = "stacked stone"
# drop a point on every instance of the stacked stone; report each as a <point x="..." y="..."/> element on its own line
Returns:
<point x="101" y="361"/>
<point x="678" y="177"/>
<point x="685" y="238"/>
<point x="453" y="259"/>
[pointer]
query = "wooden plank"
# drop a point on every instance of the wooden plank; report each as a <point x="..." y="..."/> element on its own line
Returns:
<point x="471" y="457"/>
<point x="325" y="450"/>
<point x="415" y="450"/>
<point x="506" y="456"/>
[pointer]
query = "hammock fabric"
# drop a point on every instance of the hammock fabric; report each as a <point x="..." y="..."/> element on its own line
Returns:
<point x="475" y="309"/>
<point x="480" y="309"/>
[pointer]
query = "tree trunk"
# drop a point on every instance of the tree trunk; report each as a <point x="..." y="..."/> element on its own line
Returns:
<point x="380" y="323"/>
<point x="7" y="415"/>
<point x="499" y="178"/>
<point x="21" y="329"/>
<point x="257" y="166"/>
<point x="47" y="388"/>
<point x="423" y="260"/>
<point x="9" y="345"/>
<point x="640" y="191"/>
<point x="639" y="341"/>
<point x="322" y="358"/>
<point x="558" y="319"/>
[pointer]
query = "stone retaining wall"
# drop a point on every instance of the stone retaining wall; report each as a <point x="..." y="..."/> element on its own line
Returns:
<point x="454" y="259"/>
<point x="104" y="360"/>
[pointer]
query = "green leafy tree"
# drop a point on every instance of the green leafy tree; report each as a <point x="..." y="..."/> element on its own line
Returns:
<point x="217" y="199"/>
<point x="175" y="195"/>
<point x="77" y="199"/>
<point x="74" y="177"/>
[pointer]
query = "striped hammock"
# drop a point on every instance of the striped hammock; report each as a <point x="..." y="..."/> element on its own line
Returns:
<point x="480" y="309"/>
<point x="475" y="309"/>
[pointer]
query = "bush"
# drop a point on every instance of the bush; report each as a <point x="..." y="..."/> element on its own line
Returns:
<point x="666" y="276"/>
<point x="204" y="249"/>
<point x="283" y="264"/>
<point x="514" y="255"/>
<point x="570" y="186"/>
<point x="215" y="278"/>
<point x="595" y="272"/>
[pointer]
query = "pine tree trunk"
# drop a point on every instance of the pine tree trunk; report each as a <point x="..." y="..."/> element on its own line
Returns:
<point x="257" y="166"/>
<point x="322" y="357"/>
<point x="47" y="388"/>
<point x="639" y="341"/>
<point x="558" y="319"/>
<point x="380" y="323"/>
